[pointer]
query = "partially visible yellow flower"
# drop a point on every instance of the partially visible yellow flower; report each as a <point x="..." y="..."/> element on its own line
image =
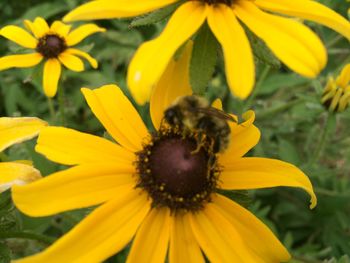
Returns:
<point x="12" y="131"/>
<point x="336" y="95"/>
<point x="292" y="42"/>
<point x="152" y="189"/>
<point x="54" y="44"/>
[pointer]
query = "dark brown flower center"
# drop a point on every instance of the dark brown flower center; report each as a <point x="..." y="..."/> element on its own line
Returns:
<point x="175" y="173"/>
<point x="213" y="2"/>
<point x="50" y="46"/>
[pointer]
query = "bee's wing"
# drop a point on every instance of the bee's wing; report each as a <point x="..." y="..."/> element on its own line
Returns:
<point x="217" y="113"/>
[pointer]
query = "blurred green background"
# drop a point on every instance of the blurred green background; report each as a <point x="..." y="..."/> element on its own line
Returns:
<point x="293" y="123"/>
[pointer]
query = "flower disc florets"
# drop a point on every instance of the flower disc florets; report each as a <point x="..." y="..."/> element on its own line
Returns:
<point x="51" y="45"/>
<point x="213" y="2"/>
<point x="175" y="172"/>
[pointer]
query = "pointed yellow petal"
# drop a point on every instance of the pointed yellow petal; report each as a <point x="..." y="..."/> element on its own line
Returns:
<point x="183" y="245"/>
<point x="52" y="73"/>
<point x="310" y="10"/>
<point x="255" y="173"/>
<point x="344" y="78"/>
<point x="16" y="130"/>
<point x="13" y="173"/>
<point x="151" y="241"/>
<point x="152" y="58"/>
<point x="78" y="34"/>
<point x="82" y="54"/>
<point x="101" y="234"/>
<point x="32" y="27"/>
<point x="105" y="9"/>
<point x="118" y="116"/>
<point x="71" y="62"/>
<point x="69" y="147"/>
<point x="218" y="239"/>
<point x="41" y="27"/>
<point x="244" y="136"/>
<point x="257" y="236"/>
<point x="173" y="83"/>
<point x="19" y="36"/>
<point x="239" y="62"/>
<point x="20" y="61"/>
<point x="293" y="43"/>
<point x="77" y="187"/>
<point x="60" y="28"/>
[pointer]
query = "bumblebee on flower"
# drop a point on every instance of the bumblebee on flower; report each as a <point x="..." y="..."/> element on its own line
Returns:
<point x="52" y="44"/>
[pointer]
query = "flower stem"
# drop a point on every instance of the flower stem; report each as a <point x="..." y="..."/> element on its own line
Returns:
<point x="28" y="235"/>
<point x="51" y="109"/>
<point x="61" y="105"/>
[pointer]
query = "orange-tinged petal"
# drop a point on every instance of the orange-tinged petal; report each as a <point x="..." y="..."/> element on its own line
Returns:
<point x="118" y="116"/>
<point x="52" y="73"/>
<point x="218" y="239"/>
<point x="78" y="34"/>
<point x="255" y="173"/>
<point x="16" y="130"/>
<point x="257" y="236"/>
<point x="293" y="43"/>
<point x="152" y="58"/>
<point x="239" y="62"/>
<point x="105" y="9"/>
<point x="71" y="62"/>
<point x="82" y="54"/>
<point x="310" y="10"/>
<point x="20" y="61"/>
<point x="151" y="241"/>
<point x="69" y="147"/>
<point x="183" y="245"/>
<point x="14" y="173"/>
<point x="60" y="28"/>
<point x="19" y="36"/>
<point x="101" y="234"/>
<point x="81" y="186"/>
<point x="173" y="83"/>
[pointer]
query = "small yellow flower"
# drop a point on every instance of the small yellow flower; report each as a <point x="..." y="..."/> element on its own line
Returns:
<point x="293" y="43"/>
<point x="153" y="189"/>
<point x="52" y="44"/>
<point x="12" y="131"/>
<point x="336" y="95"/>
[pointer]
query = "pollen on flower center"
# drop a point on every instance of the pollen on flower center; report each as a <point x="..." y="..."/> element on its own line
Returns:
<point x="175" y="173"/>
<point x="51" y="45"/>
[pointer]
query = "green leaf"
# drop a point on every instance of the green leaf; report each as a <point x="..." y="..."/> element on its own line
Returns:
<point x="203" y="60"/>
<point x="5" y="254"/>
<point x="288" y="152"/>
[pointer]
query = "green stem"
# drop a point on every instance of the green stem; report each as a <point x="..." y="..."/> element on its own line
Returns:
<point x="61" y="105"/>
<point x="51" y="109"/>
<point x="277" y="109"/>
<point x="28" y="235"/>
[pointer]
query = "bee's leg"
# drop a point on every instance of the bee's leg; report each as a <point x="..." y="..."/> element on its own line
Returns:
<point x="200" y="139"/>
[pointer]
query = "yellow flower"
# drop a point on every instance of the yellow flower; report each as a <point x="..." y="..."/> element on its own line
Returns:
<point x="12" y="131"/>
<point x="52" y="44"/>
<point x="292" y="42"/>
<point x="336" y="95"/>
<point x="152" y="188"/>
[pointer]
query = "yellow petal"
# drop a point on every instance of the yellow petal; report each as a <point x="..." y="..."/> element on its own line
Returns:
<point x="13" y="173"/>
<point x="335" y="99"/>
<point x="173" y="83"/>
<point x="152" y="58"/>
<point x="100" y="235"/>
<point x="183" y="245"/>
<point x="71" y="62"/>
<point x="257" y="236"/>
<point x="310" y="10"/>
<point x="82" y="54"/>
<point x="39" y="27"/>
<point x="151" y="240"/>
<point x="60" y="28"/>
<point x="81" y="186"/>
<point x="344" y="78"/>
<point x="104" y="9"/>
<point x="239" y="62"/>
<point x="344" y="101"/>
<point x="69" y="147"/>
<point x="218" y="239"/>
<point x="19" y="36"/>
<point x="52" y="73"/>
<point x="118" y="116"/>
<point x="293" y="43"/>
<point x="255" y="173"/>
<point x="244" y="136"/>
<point x="78" y="34"/>
<point x="20" y="61"/>
<point x="16" y="130"/>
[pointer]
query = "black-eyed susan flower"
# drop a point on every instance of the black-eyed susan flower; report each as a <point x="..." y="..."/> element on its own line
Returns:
<point x="292" y="42"/>
<point x="154" y="188"/>
<point x="336" y="95"/>
<point x="12" y="131"/>
<point x="53" y="44"/>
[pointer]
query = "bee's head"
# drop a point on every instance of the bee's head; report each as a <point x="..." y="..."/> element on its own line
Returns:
<point x="173" y="115"/>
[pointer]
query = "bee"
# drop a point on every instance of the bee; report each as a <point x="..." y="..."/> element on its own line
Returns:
<point x="195" y="114"/>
